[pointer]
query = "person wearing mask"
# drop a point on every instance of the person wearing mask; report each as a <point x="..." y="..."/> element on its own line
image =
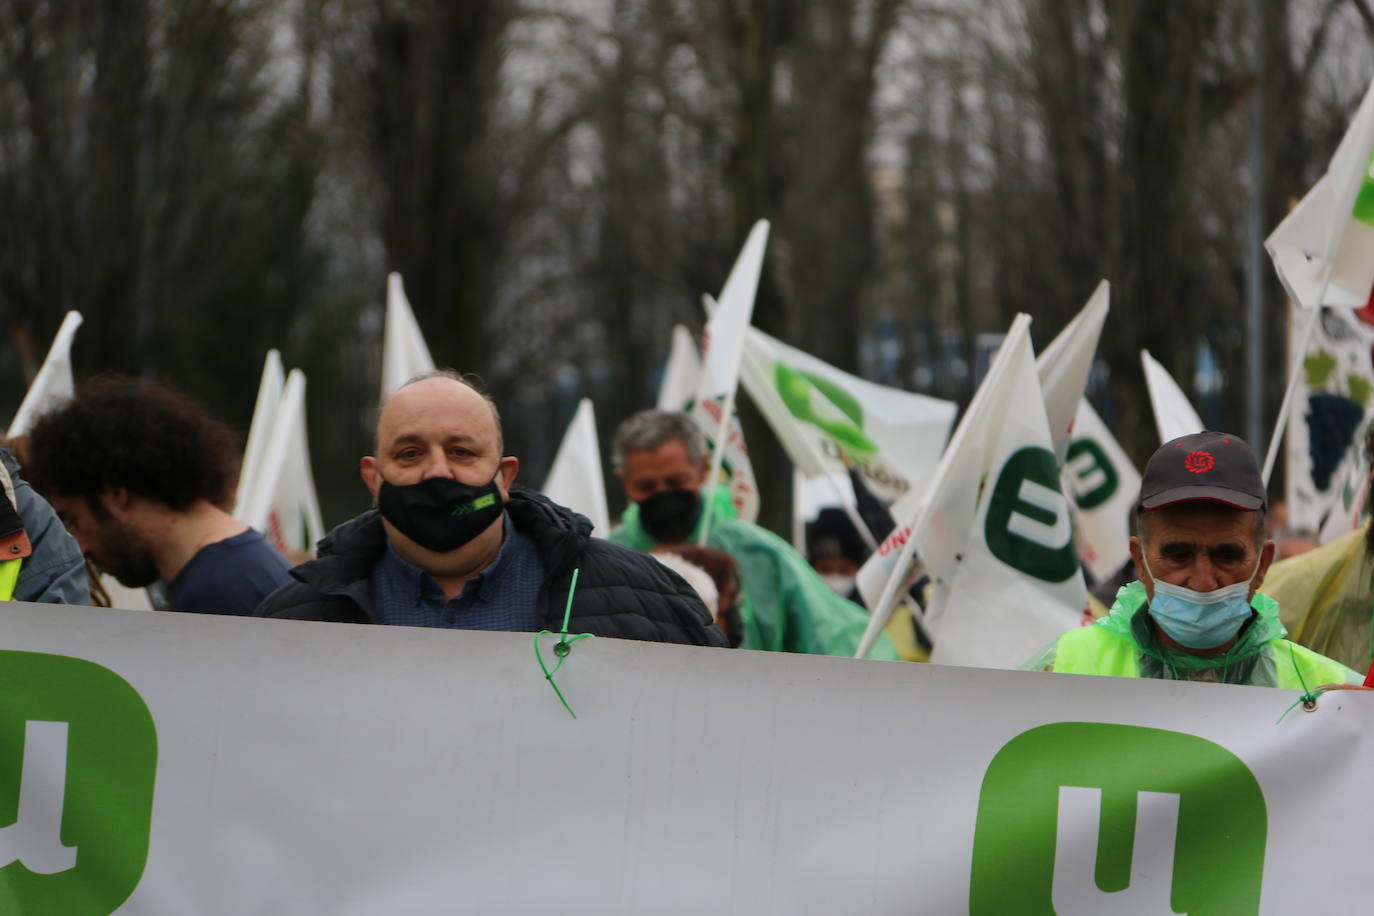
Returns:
<point x="453" y="543"/>
<point x="1201" y="551"/>
<point x="660" y="457"/>
<point x="140" y="474"/>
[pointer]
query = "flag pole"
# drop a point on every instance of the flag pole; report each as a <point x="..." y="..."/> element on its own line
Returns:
<point x="1294" y="377"/>
<point x="717" y="457"/>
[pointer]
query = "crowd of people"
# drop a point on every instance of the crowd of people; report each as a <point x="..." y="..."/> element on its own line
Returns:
<point x="134" y="479"/>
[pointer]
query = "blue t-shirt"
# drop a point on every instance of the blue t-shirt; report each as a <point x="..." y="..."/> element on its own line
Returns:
<point x="231" y="576"/>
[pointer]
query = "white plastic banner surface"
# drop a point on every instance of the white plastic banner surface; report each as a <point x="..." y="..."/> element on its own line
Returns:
<point x="253" y="766"/>
<point x="175" y="763"/>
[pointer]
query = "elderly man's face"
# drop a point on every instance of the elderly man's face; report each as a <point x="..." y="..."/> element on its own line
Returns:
<point x="1203" y="546"/>
<point x="647" y="472"/>
<point x="437" y="428"/>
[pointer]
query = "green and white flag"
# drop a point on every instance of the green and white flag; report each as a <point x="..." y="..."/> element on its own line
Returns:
<point x="1174" y="415"/>
<point x="1323" y="250"/>
<point x="993" y="529"/>
<point x="404" y="354"/>
<point x="280" y="501"/>
<point x="828" y="419"/>
<point x="53" y="384"/>
<point x="1104" y="485"/>
<point x="575" y="480"/>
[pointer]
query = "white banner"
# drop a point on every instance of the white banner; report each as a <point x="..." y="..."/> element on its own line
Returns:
<point x="180" y="763"/>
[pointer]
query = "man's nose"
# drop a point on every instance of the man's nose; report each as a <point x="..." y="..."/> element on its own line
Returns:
<point x="1203" y="576"/>
<point x="436" y="465"/>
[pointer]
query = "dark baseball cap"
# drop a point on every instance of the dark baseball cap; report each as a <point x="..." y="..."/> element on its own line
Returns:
<point x="1215" y="466"/>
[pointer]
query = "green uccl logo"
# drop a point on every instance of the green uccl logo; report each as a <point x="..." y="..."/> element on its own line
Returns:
<point x="795" y="387"/>
<point x="1027" y="525"/>
<point x="1092" y="473"/>
<point x="78" y="755"/>
<point x="1089" y="818"/>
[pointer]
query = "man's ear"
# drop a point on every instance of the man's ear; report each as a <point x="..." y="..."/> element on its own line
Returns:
<point x="1138" y="558"/>
<point x="507" y="469"/>
<point x="116" y="501"/>
<point x="1265" y="558"/>
<point x="372" y="479"/>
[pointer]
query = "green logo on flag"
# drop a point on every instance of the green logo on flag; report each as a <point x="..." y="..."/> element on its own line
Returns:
<point x="1092" y="473"/>
<point x="795" y="387"/>
<point x="78" y="754"/>
<point x="1028" y="525"/>
<point x="1084" y="817"/>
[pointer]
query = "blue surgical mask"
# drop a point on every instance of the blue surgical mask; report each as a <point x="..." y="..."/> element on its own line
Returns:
<point x="1200" y="620"/>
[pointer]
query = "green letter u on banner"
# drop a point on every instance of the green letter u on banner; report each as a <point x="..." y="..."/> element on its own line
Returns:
<point x="1078" y="817"/>
<point x="78" y="755"/>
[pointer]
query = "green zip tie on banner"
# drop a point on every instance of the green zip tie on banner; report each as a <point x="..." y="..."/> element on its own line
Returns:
<point x="560" y="648"/>
<point x="1309" y="697"/>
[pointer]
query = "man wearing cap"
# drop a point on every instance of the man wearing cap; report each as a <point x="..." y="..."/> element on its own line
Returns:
<point x="1201" y="552"/>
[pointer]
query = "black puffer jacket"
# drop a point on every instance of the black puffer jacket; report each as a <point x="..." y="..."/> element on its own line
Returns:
<point x="620" y="592"/>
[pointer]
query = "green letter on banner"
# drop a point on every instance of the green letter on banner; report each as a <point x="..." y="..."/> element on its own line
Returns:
<point x="1173" y="823"/>
<point x="78" y="754"/>
<point x="1028" y="526"/>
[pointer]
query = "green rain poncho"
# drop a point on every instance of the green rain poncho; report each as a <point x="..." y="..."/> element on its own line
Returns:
<point x="785" y="607"/>
<point x="1123" y="644"/>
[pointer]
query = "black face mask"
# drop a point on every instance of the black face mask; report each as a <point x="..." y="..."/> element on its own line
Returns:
<point x="441" y="514"/>
<point x="670" y="515"/>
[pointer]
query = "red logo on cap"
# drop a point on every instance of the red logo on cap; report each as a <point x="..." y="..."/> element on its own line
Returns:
<point x="1199" y="462"/>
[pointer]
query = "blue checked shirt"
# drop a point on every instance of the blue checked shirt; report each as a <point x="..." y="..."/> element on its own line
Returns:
<point x="504" y="596"/>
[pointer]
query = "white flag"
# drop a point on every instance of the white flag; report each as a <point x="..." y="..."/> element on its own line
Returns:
<point x="681" y="376"/>
<point x="53" y="384"/>
<point x="825" y="417"/>
<point x="1174" y="416"/>
<point x="1105" y="487"/>
<point x="722" y="349"/>
<point x="575" y="479"/>
<point x="283" y="504"/>
<point x="1065" y="363"/>
<point x="404" y="354"/>
<point x="682" y="372"/>
<point x="264" y="415"/>
<point x="1328" y="239"/>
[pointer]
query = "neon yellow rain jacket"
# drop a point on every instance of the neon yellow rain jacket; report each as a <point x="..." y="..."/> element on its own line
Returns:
<point x="1123" y="644"/>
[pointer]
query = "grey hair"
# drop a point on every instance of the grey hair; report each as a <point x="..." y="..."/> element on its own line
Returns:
<point x="468" y="380"/>
<point x="649" y="429"/>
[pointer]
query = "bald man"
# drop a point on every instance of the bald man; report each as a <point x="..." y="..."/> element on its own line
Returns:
<point x="452" y="542"/>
